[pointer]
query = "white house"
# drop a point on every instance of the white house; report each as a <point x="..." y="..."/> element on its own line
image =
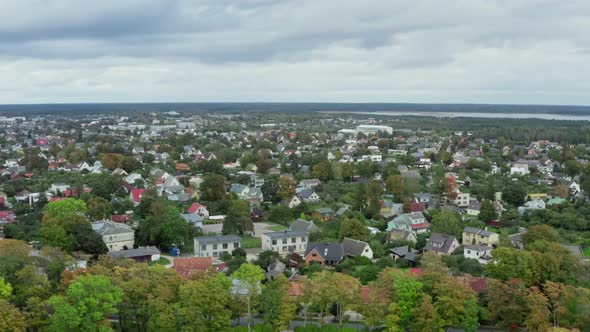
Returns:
<point x="480" y="252"/>
<point x="285" y="242"/>
<point x="216" y="246"/>
<point x="116" y="236"/>
<point x="462" y="199"/>
<point x="356" y="248"/>
<point x="519" y="169"/>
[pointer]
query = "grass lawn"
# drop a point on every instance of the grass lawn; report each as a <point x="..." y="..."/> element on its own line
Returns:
<point x="587" y="252"/>
<point x="249" y="242"/>
<point x="162" y="261"/>
<point x="275" y="227"/>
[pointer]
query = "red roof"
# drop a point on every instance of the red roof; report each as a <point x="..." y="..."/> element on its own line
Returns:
<point x="494" y="223"/>
<point x="29" y="175"/>
<point x="53" y="199"/>
<point x="7" y="217"/>
<point x="421" y="225"/>
<point x="136" y="194"/>
<point x="414" y="271"/>
<point x="120" y="217"/>
<point x="185" y="266"/>
<point x="417" y="207"/>
<point x="42" y="141"/>
<point x="195" y="207"/>
<point x="478" y="285"/>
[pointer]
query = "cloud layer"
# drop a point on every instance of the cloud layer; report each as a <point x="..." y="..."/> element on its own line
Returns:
<point x="474" y="51"/>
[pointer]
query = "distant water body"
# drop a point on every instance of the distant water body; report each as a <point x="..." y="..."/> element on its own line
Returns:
<point x="542" y="116"/>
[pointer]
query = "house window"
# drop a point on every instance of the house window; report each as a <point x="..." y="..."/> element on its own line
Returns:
<point x="225" y="246"/>
<point x="110" y="238"/>
<point x="303" y="239"/>
<point x="284" y="241"/>
<point x="236" y="245"/>
<point x="204" y="248"/>
<point x="469" y="251"/>
<point x="284" y="248"/>
<point x="274" y="242"/>
<point x="293" y="240"/>
<point x="215" y="247"/>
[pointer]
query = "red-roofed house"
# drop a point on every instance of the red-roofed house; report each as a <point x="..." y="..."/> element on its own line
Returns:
<point x="186" y="266"/>
<point x="120" y="217"/>
<point x="42" y="141"/>
<point x="136" y="195"/>
<point x="7" y="217"/>
<point x="198" y="209"/>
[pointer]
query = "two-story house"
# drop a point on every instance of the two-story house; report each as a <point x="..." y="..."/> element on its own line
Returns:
<point x="441" y="244"/>
<point x="285" y="242"/>
<point x="476" y="236"/>
<point x="216" y="246"/>
<point x="116" y="236"/>
<point x="414" y="222"/>
<point x="481" y="252"/>
<point x="356" y="248"/>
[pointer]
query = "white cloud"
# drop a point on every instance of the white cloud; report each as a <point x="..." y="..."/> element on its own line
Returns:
<point x="342" y="51"/>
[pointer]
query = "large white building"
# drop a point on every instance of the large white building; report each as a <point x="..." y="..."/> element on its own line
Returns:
<point x="285" y="242"/>
<point x="216" y="246"/>
<point x="116" y="236"/>
<point x="373" y="129"/>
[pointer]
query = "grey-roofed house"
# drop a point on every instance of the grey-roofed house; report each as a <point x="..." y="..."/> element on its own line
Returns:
<point x="116" y="236"/>
<point x="481" y="252"/>
<point x="324" y="214"/>
<point x="215" y="246"/>
<point x="142" y="254"/>
<point x="405" y="252"/>
<point x="441" y="244"/>
<point x="396" y="234"/>
<point x="324" y="253"/>
<point x="575" y="249"/>
<point x="193" y="219"/>
<point x="285" y="242"/>
<point x="304" y="225"/>
<point x="308" y="195"/>
<point x="356" y="248"/>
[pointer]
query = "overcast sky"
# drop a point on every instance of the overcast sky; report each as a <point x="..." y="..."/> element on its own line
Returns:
<point x="472" y="51"/>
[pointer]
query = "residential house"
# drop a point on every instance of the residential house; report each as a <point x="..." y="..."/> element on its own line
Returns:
<point x="327" y="254"/>
<point x="424" y="198"/>
<point x="405" y="252"/>
<point x="310" y="183"/>
<point x="141" y="254"/>
<point x="474" y="208"/>
<point x="185" y="266"/>
<point x="292" y="202"/>
<point x="400" y="235"/>
<point x="536" y="204"/>
<point x="252" y="195"/>
<point x="520" y="168"/>
<point x="462" y="199"/>
<point x="480" y="252"/>
<point x="216" y="246"/>
<point x="304" y="225"/>
<point x="198" y="209"/>
<point x="116" y="236"/>
<point x="136" y="195"/>
<point x="285" y="242"/>
<point x="308" y="195"/>
<point x="441" y="244"/>
<point x="516" y="239"/>
<point x="475" y="236"/>
<point x="323" y="214"/>
<point x="414" y="222"/>
<point x="356" y="248"/>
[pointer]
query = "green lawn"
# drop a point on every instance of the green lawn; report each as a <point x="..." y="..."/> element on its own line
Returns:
<point x="587" y="252"/>
<point x="162" y="261"/>
<point x="249" y="242"/>
<point x="275" y="227"/>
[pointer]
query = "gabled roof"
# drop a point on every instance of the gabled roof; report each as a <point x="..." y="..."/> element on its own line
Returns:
<point x="440" y="242"/>
<point x="131" y="253"/>
<point x="304" y="225"/>
<point x="108" y="227"/>
<point x="185" y="266"/>
<point x="195" y="207"/>
<point x="286" y="234"/>
<point x="353" y="247"/>
<point x="328" y="251"/>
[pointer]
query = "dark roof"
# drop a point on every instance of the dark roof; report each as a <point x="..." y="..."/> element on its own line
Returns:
<point x="131" y="253"/>
<point x="285" y="234"/>
<point x="204" y="240"/>
<point x="328" y="251"/>
<point x="439" y="242"/>
<point x="353" y="247"/>
<point x="481" y="232"/>
<point x="304" y="225"/>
